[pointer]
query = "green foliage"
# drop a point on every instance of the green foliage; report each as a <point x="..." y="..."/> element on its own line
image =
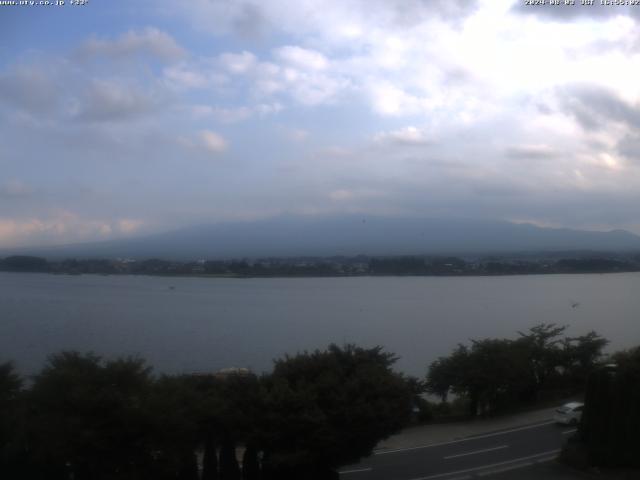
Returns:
<point x="91" y="419"/>
<point x="329" y="408"/>
<point x="495" y="374"/>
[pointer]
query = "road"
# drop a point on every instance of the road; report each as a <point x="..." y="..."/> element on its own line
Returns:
<point x="465" y="458"/>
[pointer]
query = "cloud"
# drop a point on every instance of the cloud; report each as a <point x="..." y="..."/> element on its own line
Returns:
<point x="296" y="134"/>
<point x="405" y="136"/>
<point x="391" y="100"/>
<point x="438" y="107"/>
<point x="238" y="63"/>
<point x="629" y="147"/>
<point x="30" y="88"/>
<point x="302" y="58"/>
<point x="298" y="73"/>
<point x="63" y="227"/>
<point x="531" y="152"/>
<point x="250" y="21"/>
<point x="593" y="106"/>
<point x="213" y="142"/>
<point x="112" y="100"/>
<point x="150" y="41"/>
<point x="15" y="189"/>
<point x="255" y="17"/>
<point x="230" y="115"/>
<point x="181" y="76"/>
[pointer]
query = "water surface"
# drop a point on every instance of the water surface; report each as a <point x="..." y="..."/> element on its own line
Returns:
<point x="204" y="324"/>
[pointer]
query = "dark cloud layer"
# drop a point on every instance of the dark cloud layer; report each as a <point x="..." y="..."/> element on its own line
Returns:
<point x="593" y="106"/>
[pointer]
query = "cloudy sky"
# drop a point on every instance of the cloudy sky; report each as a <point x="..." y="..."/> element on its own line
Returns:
<point x="119" y="118"/>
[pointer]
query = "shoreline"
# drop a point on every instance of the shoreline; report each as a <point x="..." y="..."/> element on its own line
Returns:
<point x="336" y="275"/>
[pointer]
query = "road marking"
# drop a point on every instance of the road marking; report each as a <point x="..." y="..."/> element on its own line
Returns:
<point x="477" y="451"/>
<point x="492" y="465"/>
<point x="546" y="459"/>
<point x="355" y="471"/>
<point x="508" y="468"/>
<point x="567" y="432"/>
<point x="467" y="439"/>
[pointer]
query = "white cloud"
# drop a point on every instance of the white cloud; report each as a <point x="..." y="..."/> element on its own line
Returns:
<point x="184" y="77"/>
<point x="532" y="152"/>
<point x="408" y="136"/>
<point x="213" y="142"/>
<point x="238" y="63"/>
<point x="296" y="134"/>
<point x="268" y="108"/>
<point x="302" y="58"/>
<point x="234" y="114"/>
<point x="63" y="227"/>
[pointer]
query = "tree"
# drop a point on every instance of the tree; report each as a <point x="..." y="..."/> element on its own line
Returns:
<point x="544" y="354"/>
<point x="24" y="263"/>
<point x="330" y="408"/>
<point x="11" y="425"/>
<point x="581" y="354"/>
<point x="491" y="374"/>
<point x="449" y="374"/>
<point x="174" y="407"/>
<point x="611" y="419"/>
<point x="88" y="418"/>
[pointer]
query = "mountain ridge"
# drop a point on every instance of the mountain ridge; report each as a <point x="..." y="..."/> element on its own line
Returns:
<point x="336" y="235"/>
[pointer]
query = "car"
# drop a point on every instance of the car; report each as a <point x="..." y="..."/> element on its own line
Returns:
<point x="569" y="413"/>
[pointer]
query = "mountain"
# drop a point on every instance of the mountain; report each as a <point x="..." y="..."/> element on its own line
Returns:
<point x="289" y="235"/>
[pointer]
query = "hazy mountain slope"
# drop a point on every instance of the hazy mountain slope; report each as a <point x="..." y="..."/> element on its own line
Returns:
<point x="348" y="235"/>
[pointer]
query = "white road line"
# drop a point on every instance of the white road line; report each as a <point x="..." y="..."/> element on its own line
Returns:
<point x="355" y="471"/>
<point x="546" y="459"/>
<point x="477" y="451"/>
<point x="492" y="465"/>
<point x="567" y="432"/>
<point x="508" y="468"/>
<point x="467" y="439"/>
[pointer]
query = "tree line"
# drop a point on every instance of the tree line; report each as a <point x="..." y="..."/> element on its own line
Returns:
<point x="493" y="375"/>
<point x="83" y="417"/>
<point x="331" y="266"/>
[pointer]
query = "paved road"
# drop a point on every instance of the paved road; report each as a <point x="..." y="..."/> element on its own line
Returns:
<point x="466" y="458"/>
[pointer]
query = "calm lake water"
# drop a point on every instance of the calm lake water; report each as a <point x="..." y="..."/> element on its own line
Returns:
<point x="205" y="324"/>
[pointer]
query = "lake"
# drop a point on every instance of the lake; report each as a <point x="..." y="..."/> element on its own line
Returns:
<point x="204" y="324"/>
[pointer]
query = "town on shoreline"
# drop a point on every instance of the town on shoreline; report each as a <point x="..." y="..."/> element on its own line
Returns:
<point x="339" y="266"/>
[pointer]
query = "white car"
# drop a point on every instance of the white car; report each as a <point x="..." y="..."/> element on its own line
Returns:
<point x="569" y="413"/>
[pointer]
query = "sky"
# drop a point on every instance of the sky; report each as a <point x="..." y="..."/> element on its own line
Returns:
<point x="122" y="118"/>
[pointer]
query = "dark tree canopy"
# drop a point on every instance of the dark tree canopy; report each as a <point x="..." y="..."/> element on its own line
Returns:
<point x="329" y="408"/>
<point x="88" y="416"/>
<point x="92" y="419"/>
<point x="611" y="420"/>
<point x="493" y="374"/>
